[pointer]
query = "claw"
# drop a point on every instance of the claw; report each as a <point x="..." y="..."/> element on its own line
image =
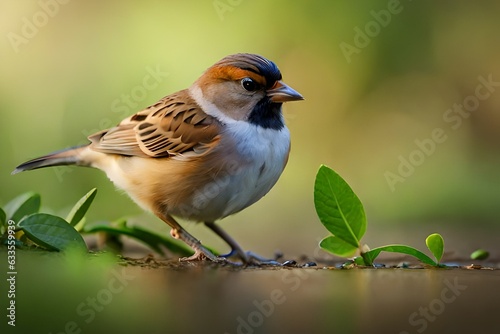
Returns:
<point x="261" y="261"/>
<point x="250" y="258"/>
<point x="245" y="257"/>
<point x="199" y="255"/>
<point x="200" y="252"/>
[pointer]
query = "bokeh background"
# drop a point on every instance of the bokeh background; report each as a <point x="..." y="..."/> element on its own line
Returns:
<point x="377" y="76"/>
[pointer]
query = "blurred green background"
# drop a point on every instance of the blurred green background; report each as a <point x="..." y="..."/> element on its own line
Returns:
<point x="377" y="76"/>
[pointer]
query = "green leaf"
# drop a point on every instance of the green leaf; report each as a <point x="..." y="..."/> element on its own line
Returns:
<point x="479" y="254"/>
<point x="338" y="208"/>
<point x="337" y="246"/>
<point x="372" y="254"/>
<point x="80" y="209"/>
<point x="435" y="243"/>
<point x="52" y="232"/>
<point x="22" y="206"/>
<point x="154" y="241"/>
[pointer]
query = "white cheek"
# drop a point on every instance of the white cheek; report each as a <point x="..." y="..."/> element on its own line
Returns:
<point x="207" y="106"/>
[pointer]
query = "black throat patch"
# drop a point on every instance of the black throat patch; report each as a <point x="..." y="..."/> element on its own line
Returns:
<point x="267" y="114"/>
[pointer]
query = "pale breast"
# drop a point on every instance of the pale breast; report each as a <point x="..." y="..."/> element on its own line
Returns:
<point x="243" y="168"/>
<point x="252" y="159"/>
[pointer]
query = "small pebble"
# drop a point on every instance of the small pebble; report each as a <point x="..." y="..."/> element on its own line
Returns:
<point x="290" y="263"/>
<point x="347" y="265"/>
<point x="474" y="266"/>
<point x="309" y="264"/>
<point x="403" y="265"/>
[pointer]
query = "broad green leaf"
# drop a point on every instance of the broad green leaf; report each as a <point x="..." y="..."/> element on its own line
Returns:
<point x="372" y="254"/>
<point x="337" y="246"/>
<point x="435" y="243"/>
<point x="338" y="208"/>
<point x="479" y="254"/>
<point x="52" y="232"/>
<point x="22" y="206"/>
<point x="78" y="211"/>
<point x="154" y="241"/>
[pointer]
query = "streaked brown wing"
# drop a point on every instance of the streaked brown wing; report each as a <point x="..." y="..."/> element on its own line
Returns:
<point x="174" y="125"/>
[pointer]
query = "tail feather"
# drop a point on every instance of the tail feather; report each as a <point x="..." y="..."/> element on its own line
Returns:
<point x="68" y="156"/>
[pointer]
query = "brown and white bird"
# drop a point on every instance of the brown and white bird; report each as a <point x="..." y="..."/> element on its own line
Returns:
<point x="200" y="154"/>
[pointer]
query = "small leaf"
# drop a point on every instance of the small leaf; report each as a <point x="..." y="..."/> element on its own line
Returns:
<point x="52" y="232"/>
<point x="338" y="207"/>
<point x="371" y="255"/>
<point x="435" y="243"/>
<point x="80" y="209"/>
<point x="337" y="246"/>
<point x="479" y="254"/>
<point x="22" y="206"/>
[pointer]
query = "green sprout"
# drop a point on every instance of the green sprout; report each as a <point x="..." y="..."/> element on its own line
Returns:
<point x="343" y="215"/>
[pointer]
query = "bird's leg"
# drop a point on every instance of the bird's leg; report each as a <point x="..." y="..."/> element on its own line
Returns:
<point x="177" y="232"/>
<point x="235" y="248"/>
<point x="200" y="252"/>
<point x="246" y="257"/>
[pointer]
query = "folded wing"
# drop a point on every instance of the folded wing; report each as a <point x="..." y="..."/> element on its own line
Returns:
<point x="173" y="126"/>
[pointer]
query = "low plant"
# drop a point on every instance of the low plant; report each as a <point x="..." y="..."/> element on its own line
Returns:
<point x="55" y="233"/>
<point x="337" y="206"/>
<point x="343" y="215"/>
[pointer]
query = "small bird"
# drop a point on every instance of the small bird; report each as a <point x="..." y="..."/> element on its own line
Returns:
<point x="200" y="154"/>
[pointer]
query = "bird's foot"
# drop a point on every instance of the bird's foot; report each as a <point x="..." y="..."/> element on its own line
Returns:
<point x="201" y="253"/>
<point x="250" y="258"/>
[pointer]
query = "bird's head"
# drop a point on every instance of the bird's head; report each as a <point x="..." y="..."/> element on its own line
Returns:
<point x="244" y="87"/>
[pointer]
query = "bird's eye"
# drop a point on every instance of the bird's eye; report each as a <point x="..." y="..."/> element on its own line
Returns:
<point x="249" y="84"/>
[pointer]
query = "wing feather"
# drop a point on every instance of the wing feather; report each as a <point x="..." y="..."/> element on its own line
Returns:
<point x="173" y="126"/>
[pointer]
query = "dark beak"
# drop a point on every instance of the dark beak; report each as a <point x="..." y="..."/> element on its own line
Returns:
<point x="280" y="92"/>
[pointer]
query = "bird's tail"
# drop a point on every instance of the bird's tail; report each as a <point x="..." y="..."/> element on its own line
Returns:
<point x="68" y="156"/>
